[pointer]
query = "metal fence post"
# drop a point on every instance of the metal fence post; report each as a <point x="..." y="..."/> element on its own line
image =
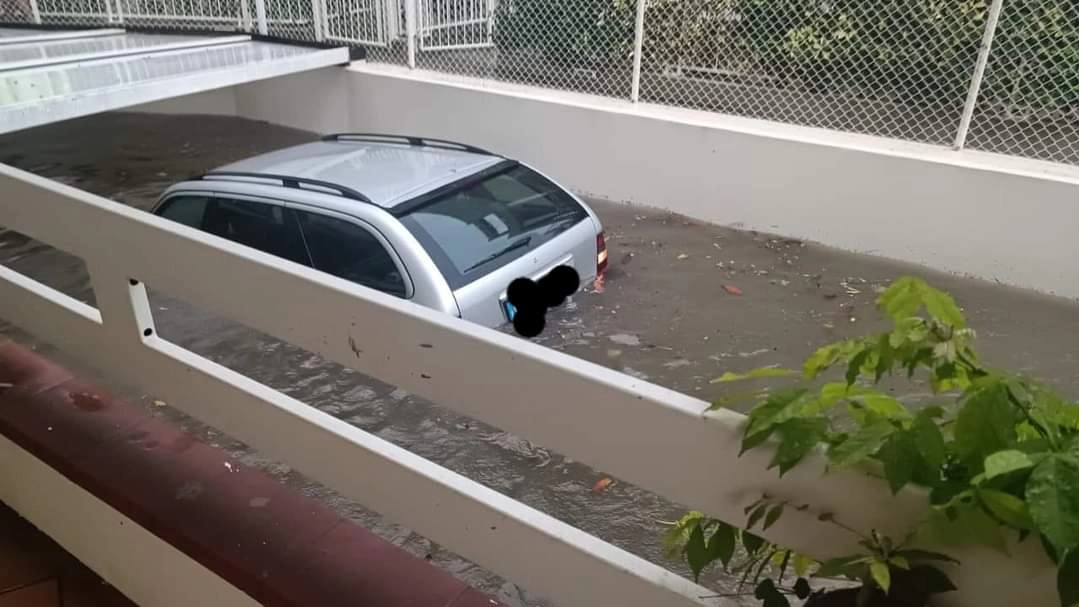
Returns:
<point x="260" y="17"/>
<point x="245" y="17"/>
<point x="318" y="19"/>
<point x="979" y="74"/>
<point x="35" y="13"/>
<point x="411" y="13"/>
<point x="638" y="45"/>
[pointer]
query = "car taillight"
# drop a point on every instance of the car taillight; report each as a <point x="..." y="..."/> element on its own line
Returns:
<point x="601" y="254"/>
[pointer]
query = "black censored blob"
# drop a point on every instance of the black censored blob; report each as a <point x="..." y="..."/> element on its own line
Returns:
<point x="559" y="284"/>
<point x="530" y="322"/>
<point x="532" y="299"/>
<point x="523" y="293"/>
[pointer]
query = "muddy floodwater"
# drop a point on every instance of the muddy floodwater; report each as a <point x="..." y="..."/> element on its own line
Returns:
<point x="684" y="301"/>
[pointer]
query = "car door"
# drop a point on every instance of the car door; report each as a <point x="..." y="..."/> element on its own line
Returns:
<point x="351" y="249"/>
<point x="260" y="224"/>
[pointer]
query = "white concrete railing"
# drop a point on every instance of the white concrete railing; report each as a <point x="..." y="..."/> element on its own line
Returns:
<point x="639" y="432"/>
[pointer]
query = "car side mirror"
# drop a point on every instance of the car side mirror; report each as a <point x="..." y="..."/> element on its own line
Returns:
<point x="532" y="298"/>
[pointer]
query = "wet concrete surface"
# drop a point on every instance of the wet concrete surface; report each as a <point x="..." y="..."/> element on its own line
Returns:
<point x="684" y="301"/>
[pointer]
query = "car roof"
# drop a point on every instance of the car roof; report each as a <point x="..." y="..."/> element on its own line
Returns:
<point x="386" y="173"/>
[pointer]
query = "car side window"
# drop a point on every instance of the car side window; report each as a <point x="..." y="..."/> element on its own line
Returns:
<point x="188" y="210"/>
<point x="266" y="227"/>
<point x="348" y="251"/>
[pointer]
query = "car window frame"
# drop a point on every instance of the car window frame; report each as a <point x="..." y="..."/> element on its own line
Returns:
<point x="387" y="245"/>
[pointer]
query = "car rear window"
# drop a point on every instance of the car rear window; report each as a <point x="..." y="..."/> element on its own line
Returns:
<point x="470" y="231"/>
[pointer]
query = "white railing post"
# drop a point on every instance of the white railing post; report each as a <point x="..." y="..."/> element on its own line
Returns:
<point x="260" y="17"/>
<point x="411" y="14"/>
<point x="638" y="46"/>
<point x="126" y="317"/>
<point x="35" y="12"/>
<point x="979" y="74"/>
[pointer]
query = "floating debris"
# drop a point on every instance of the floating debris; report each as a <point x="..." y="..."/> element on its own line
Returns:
<point x="625" y="339"/>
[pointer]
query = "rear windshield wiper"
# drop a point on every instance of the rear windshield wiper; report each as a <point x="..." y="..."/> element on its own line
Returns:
<point x="513" y="246"/>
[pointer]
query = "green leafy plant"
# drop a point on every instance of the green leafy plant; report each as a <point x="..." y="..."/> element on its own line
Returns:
<point x="760" y="565"/>
<point x="996" y="451"/>
<point x="768" y="568"/>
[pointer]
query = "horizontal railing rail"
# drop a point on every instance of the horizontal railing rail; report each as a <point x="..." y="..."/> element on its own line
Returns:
<point x="656" y="438"/>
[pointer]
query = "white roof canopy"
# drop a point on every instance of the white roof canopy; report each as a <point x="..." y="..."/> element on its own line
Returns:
<point x="49" y="76"/>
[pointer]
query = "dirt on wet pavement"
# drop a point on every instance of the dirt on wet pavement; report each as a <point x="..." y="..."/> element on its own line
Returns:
<point x="683" y="302"/>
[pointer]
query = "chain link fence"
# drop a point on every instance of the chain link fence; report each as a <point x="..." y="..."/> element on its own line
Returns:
<point x="895" y="68"/>
<point x="16" y="11"/>
<point x="1029" y="102"/>
<point x="882" y="67"/>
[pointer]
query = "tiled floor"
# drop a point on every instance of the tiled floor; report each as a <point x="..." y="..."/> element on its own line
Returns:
<point x="36" y="572"/>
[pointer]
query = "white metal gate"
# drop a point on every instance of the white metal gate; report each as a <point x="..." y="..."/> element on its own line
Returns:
<point x="369" y="22"/>
<point x="455" y="24"/>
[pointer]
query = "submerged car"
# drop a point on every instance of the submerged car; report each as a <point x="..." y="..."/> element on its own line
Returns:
<point x="443" y="224"/>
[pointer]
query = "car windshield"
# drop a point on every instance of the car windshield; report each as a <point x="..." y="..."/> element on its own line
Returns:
<point x="474" y="230"/>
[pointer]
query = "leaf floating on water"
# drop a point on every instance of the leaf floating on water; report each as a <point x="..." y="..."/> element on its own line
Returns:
<point x="683" y="256"/>
<point x="733" y="290"/>
<point x="602" y="485"/>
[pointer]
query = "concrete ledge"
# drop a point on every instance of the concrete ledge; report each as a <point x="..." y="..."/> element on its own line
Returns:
<point x="277" y="546"/>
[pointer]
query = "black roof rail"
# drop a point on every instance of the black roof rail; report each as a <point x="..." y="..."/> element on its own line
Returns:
<point x="429" y="142"/>
<point x="291" y="182"/>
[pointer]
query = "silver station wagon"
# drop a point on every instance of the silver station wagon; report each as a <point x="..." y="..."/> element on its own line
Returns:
<point x="443" y="224"/>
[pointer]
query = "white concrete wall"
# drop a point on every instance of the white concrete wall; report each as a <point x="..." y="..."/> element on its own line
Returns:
<point x="317" y="101"/>
<point x="965" y="212"/>
<point x="220" y="102"/>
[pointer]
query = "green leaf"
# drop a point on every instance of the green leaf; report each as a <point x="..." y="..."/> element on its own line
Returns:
<point x="928" y="439"/>
<point x="899" y="561"/>
<point x="915" y="554"/>
<point x="737" y="397"/>
<point x="721" y="544"/>
<point x="752" y="441"/>
<point x="968" y="525"/>
<point x="1006" y="507"/>
<point x="854" y="367"/>
<point x="901" y="299"/>
<point x="757" y="515"/>
<point x="911" y="330"/>
<point x="1068" y="579"/>
<point x="899" y="456"/>
<point x="802" y="589"/>
<point x="773" y="516"/>
<point x="696" y="553"/>
<point x="769" y="595"/>
<point x="753" y="506"/>
<point x="862" y="444"/>
<point x="802" y="563"/>
<point x="779" y="407"/>
<point x="826" y="356"/>
<point x="675" y="539"/>
<point x="1004" y="462"/>
<point x="929" y="580"/>
<point x="752" y="543"/>
<point x="942" y="307"/>
<point x="1052" y="494"/>
<point x="985" y="424"/>
<point x="882" y="575"/>
<point x="885" y="406"/>
<point x="885" y="358"/>
<point x="754" y="374"/>
<point x="798" y="437"/>
<point x="842" y="566"/>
